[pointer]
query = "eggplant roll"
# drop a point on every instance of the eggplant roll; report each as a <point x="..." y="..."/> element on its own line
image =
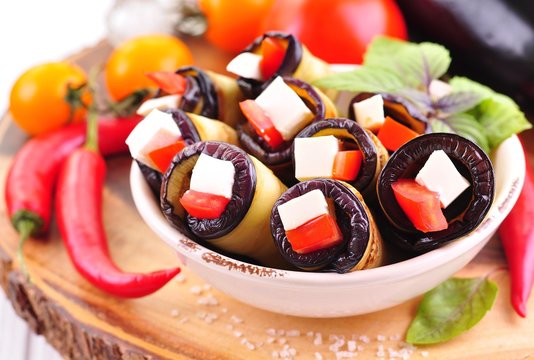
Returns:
<point x="463" y="214"/>
<point x="298" y="63"/>
<point x="194" y="128"/>
<point x="361" y="246"/>
<point x="243" y="226"/>
<point x="374" y="154"/>
<point x="279" y="160"/>
<point x="206" y="93"/>
<point x="398" y="108"/>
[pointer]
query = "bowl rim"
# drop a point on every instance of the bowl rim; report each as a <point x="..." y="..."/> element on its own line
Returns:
<point x="149" y="210"/>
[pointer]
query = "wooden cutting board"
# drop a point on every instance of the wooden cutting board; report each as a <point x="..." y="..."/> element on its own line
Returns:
<point x="188" y="319"/>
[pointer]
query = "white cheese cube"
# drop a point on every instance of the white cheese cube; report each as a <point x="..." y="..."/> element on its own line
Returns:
<point x="314" y="157"/>
<point x="369" y="113"/>
<point x="213" y="176"/>
<point x="285" y="108"/>
<point x="440" y="175"/>
<point x="246" y="65"/>
<point x="155" y="131"/>
<point x="161" y="103"/>
<point x="300" y="210"/>
<point x="439" y="89"/>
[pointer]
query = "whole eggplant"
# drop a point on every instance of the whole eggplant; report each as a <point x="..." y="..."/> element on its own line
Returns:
<point x="491" y="41"/>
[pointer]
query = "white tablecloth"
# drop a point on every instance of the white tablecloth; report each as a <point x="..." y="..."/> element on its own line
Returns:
<point x="32" y="32"/>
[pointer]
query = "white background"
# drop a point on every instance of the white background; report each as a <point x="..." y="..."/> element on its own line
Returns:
<point x="32" y="32"/>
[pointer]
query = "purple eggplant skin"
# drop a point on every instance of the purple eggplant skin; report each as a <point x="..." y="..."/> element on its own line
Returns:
<point x="242" y="191"/>
<point x="351" y="218"/>
<point x="492" y="41"/>
<point x="463" y="215"/>
<point x="199" y="87"/>
<point x="252" y="88"/>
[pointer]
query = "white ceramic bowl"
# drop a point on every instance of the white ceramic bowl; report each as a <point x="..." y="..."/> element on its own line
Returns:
<point x="332" y="294"/>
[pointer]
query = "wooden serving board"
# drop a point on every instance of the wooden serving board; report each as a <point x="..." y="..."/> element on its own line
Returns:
<point x="187" y="319"/>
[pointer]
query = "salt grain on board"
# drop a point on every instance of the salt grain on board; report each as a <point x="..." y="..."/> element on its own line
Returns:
<point x="196" y="290"/>
<point x="318" y="339"/>
<point x="318" y="356"/>
<point x="293" y="333"/>
<point x="236" y="319"/>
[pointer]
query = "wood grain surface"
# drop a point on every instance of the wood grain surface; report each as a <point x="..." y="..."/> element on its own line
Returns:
<point x="188" y="319"/>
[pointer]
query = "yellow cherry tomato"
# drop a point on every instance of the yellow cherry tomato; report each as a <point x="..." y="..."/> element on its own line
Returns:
<point x="38" y="98"/>
<point x="126" y="67"/>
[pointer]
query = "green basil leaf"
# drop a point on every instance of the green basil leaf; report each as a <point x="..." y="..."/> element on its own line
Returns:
<point x="498" y="114"/>
<point x="450" y="309"/>
<point x="458" y="102"/>
<point x="362" y="80"/>
<point x="465" y="125"/>
<point x="460" y="84"/>
<point x="500" y="121"/>
<point x="437" y="125"/>
<point x="415" y="64"/>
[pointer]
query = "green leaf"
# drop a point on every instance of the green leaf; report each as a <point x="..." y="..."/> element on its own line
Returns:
<point x="500" y="121"/>
<point x="499" y="115"/>
<point x="450" y="309"/>
<point x="415" y="64"/>
<point x="465" y="125"/>
<point x="362" y="80"/>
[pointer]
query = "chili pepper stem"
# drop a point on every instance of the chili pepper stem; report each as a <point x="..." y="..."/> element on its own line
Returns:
<point x="91" y="141"/>
<point x="25" y="229"/>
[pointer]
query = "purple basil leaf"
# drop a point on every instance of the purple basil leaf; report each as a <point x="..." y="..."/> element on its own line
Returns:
<point x="458" y="102"/>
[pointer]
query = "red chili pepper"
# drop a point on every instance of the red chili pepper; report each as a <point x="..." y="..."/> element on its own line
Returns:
<point x="517" y="236"/>
<point x="33" y="173"/>
<point x="79" y="217"/>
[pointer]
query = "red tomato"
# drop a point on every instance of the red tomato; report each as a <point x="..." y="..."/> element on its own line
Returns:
<point x="393" y="134"/>
<point x="261" y="123"/>
<point x="337" y="31"/>
<point x="233" y="24"/>
<point x="272" y="56"/>
<point x="203" y="205"/>
<point x="162" y="157"/>
<point x="168" y="81"/>
<point x="347" y="165"/>
<point x="421" y="205"/>
<point x="319" y="233"/>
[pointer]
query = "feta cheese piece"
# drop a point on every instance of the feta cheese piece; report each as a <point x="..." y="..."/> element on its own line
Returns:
<point x="247" y="65"/>
<point x="314" y="157"/>
<point x="285" y="108"/>
<point x="213" y="176"/>
<point x="440" y="175"/>
<point x="439" y="89"/>
<point x="370" y="112"/>
<point x="155" y="131"/>
<point x="300" y="210"/>
<point x="161" y="103"/>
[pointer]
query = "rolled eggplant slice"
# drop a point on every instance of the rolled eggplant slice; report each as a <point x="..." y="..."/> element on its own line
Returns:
<point x="298" y="63"/>
<point x="194" y="128"/>
<point x="243" y="227"/>
<point x="361" y="247"/>
<point x="463" y="215"/>
<point x="211" y="95"/>
<point x="398" y="108"/>
<point x="374" y="153"/>
<point x="279" y="160"/>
